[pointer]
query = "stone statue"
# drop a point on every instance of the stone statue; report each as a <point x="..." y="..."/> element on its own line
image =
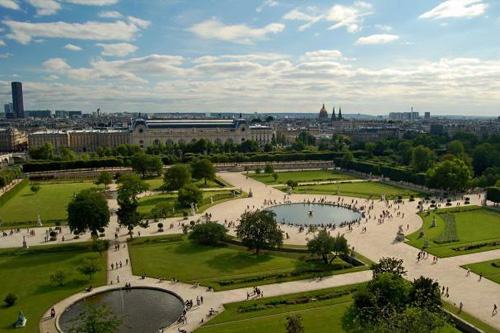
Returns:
<point x="21" y="320"/>
<point x="39" y="221"/>
<point x="400" y="236"/>
<point x="433" y="221"/>
<point x="192" y="209"/>
<point x="25" y="244"/>
<point x="250" y="193"/>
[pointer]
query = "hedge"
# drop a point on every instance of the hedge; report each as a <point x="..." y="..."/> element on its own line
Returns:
<point x="36" y="166"/>
<point x="8" y="175"/>
<point x="13" y="191"/>
<point x="449" y="233"/>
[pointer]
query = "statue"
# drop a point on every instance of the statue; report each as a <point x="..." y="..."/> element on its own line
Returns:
<point x="21" y="320"/>
<point x="433" y="221"/>
<point x="25" y="244"/>
<point x="400" y="235"/>
<point x="250" y="193"/>
<point x="39" y="221"/>
<point x="211" y="199"/>
<point x="192" y="209"/>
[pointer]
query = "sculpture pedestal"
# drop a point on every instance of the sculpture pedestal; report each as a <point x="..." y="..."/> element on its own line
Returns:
<point x="400" y="237"/>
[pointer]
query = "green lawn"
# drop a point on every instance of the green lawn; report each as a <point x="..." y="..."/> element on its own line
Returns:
<point x="146" y="204"/>
<point x="50" y="202"/>
<point x="321" y="312"/>
<point x="476" y="227"/>
<point x="156" y="183"/>
<point x="301" y="176"/>
<point x="359" y="190"/>
<point x="489" y="269"/>
<point x="225" y="267"/>
<point x="26" y="274"/>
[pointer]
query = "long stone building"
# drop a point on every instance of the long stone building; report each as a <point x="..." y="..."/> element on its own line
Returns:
<point x="145" y="133"/>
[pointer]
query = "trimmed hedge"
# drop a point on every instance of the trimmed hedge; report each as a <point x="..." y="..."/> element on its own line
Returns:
<point x="36" y="166"/>
<point x="13" y="191"/>
<point x="449" y="234"/>
<point x="8" y="175"/>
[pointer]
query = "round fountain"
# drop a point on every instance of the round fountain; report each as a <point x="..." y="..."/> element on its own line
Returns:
<point x="314" y="214"/>
<point x="139" y="309"/>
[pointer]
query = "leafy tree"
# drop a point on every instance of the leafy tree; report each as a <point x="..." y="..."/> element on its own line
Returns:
<point x="346" y="159"/>
<point x="45" y="152"/>
<point x="88" y="210"/>
<point x="405" y="152"/>
<point x="161" y="210"/>
<point x="131" y="185"/>
<point x="292" y="183"/>
<point x="422" y="159"/>
<point x="275" y="176"/>
<point x="68" y="155"/>
<point x="58" y="277"/>
<point x="370" y="148"/>
<point x="35" y="188"/>
<point x="10" y="299"/>
<point x="425" y="294"/>
<point x="208" y="233"/>
<point x="176" y="177"/>
<point x="307" y="139"/>
<point x="269" y="168"/>
<point x="89" y="267"/>
<point x="388" y="265"/>
<point x="493" y="194"/>
<point x="96" y="319"/>
<point x="294" y="324"/>
<point x="203" y="169"/>
<point x="105" y="179"/>
<point x="328" y="247"/>
<point x="188" y="194"/>
<point x="146" y="164"/>
<point x="484" y="156"/>
<point x="259" y="230"/>
<point x="100" y="246"/>
<point x="412" y="320"/>
<point x="452" y="175"/>
<point x="258" y="171"/>
<point x="249" y="146"/>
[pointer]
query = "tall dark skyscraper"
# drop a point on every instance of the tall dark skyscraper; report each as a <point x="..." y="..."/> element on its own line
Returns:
<point x="17" y="99"/>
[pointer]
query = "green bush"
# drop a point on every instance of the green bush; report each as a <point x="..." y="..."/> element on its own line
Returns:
<point x="10" y="299"/>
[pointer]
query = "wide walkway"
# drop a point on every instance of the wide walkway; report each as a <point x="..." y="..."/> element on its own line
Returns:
<point x="477" y="296"/>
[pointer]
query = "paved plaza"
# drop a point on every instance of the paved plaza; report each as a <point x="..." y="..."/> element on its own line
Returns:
<point x="378" y="241"/>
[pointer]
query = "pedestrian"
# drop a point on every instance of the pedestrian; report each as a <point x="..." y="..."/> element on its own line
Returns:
<point x="495" y="310"/>
<point x="460" y="307"/>
<point x="112" y="266"/>
<point x="468" y="272"/>
<point x="126" y="261"/>
<point x="480" y="277"/>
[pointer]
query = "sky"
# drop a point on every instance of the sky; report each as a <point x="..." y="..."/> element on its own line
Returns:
<point x="371" y="57"/>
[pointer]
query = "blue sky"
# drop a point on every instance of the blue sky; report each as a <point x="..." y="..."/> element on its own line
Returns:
<point x="370" y="57"/>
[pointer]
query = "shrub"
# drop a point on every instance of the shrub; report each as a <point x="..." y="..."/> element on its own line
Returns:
<point x="258" y="171"/>
<point x="10" y="299"/>
<point x="209" y="233"/>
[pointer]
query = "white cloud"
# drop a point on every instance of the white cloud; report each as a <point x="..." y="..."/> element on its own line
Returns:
<point x="5" y="55"/>
<point x="240" y="33"/>
<point x="93" y="2"/>
<point x="58" y="65"/>
<point x="383" y="27"/>
<point x="2" y="43"/>
<point x="109" y="14"/>
<point x="266" y="3"/>
<point x="258" y="57"/>
<point x="117" y="50"/>
<point x="45" y="7"/>
<point x="456" y="8"/>
<point x="51" y="78"/>
<point x="322" y="55"/>
<point x="138" y="22"/>
<point x="348" y="17"/>
<point x="72" y="47"/>
<point x="24" y="32"/>
<point x="377" y="39"/>
<point x="9" y="4"/>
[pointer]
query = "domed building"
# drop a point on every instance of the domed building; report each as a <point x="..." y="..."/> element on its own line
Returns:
<point x="323" y="114"/>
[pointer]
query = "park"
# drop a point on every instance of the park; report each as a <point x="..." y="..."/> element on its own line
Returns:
<point x="186" y="236"/>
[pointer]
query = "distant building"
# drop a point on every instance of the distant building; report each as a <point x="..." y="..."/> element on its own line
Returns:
<point x="437" y="129"/>
<point x="9" y="110"/>
<point x="323" y="114"/>
<point x="67" y="114"/>
<point x="38" y="113"/>
<point x="412" y="115"/>
<point x="17" y="99"/>
<point x="12" y="140"/>
<point x="427" y="116"/>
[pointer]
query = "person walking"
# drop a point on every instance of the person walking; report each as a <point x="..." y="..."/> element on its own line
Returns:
<point x="495" y="310"/>
<point x="460" y="307"/>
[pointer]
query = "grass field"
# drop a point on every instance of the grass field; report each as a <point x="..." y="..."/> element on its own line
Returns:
<point x="321" y="312"/>
<point x="367" y="189"/>
<point x="225" y="267"/>
<point x="26" y="274"/>
<point x="156" y="183"/>
<point x="50" y="202"/>
<point x="487" y="269"/>
<point x="301" y="176"/>
<point x="146" y="204"/>
<point x="476" y="227"/>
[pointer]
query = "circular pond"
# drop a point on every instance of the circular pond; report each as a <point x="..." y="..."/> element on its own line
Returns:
<point x="314" y="214"/>
<point x="139" y="309"/>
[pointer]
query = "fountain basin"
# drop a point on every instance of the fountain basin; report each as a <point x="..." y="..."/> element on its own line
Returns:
<point x="314" y="214"/>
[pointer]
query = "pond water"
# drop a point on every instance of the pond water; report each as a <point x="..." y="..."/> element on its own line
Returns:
<point x="313" y="214"/>
<point x="140" y="309"/>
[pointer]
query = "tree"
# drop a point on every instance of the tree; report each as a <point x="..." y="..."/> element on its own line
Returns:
<point x="68" y="155"/>
<point x="45" y="152"/>
<point x="146" y="164"/>
<point x="388" y="265"/>
<point x="96" y="319"/>
<point x="292" y="183"/>
<point x="203" y="169"/>
<point x="346" y="159"/>
<point x="58" y="277"/>
<point x="422" y="159"/>
<point x="370" y="148"/>
<point x="493" y="194"/>
<point x="161" y="210"/>
<point x="307" y="139"/>
<point x="259" y="230"/>
<point x="89" y="267"/>
<point x="258" y="171"/>
<point x="189" y="194"/>
<point x="131" y="185"/>
<point x="405" y="152"/>
<point x="208" y="233"/>
<point x="105" y="179"/>
<point x="35" y="188"/>
<point x="452" y="175"/>
<point x="425" y="294"/>
<point x="176" y="177"/>
<point x="294" y="324"/>
<point x="100" y="246"/>
<point x="269" y="168"/>
<point x="328" y="247"/>
<point x="275" y="176"/>
<point x="88" y="210"/>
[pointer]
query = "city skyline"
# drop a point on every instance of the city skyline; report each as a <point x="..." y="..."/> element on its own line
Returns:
<point x="371" y="57"/>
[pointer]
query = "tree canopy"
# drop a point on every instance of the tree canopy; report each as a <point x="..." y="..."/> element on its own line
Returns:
<point x="146" y="164"/>
<point x="176" y="177"/>
<point x="208" y="233"/>
<point x="259" y="230"/>
<point x="203" y="169"/>
<point x="328" y="247"/>
<point x="189" y="194"/>
<point x="88" y="210"/>
<point x="453" y="175"/>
